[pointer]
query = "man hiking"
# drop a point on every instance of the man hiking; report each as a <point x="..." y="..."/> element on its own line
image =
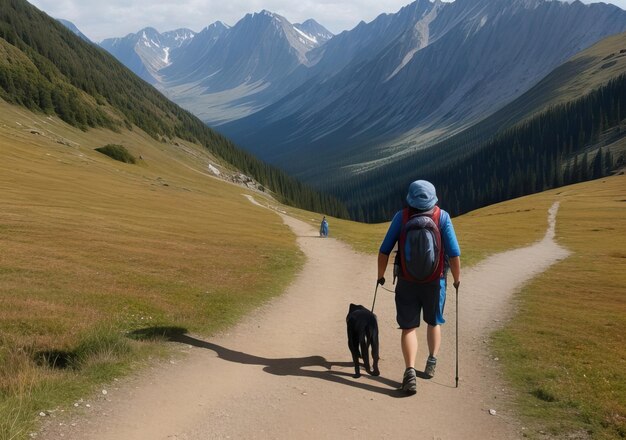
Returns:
<point x="426" y="240"/>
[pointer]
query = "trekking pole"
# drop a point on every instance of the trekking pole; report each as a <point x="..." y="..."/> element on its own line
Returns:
<point x="456" y="287"/>
<point x="375" y="292"/>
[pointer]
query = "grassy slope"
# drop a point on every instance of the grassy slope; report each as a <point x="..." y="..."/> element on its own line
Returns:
<point x="566" y="348"/>
<point x="92" y="248"/>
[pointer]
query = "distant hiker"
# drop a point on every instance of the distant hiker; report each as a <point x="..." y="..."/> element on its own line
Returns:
<point x="426" y="240"/>
<point x="324" y="228"/>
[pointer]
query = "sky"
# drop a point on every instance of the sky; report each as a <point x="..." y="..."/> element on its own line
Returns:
<point x="100" y="19"/>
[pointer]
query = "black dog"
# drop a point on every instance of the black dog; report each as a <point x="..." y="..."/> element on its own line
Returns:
<point x="362" y="333"/>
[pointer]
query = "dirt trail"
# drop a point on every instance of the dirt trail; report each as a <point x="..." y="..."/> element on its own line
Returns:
<point x="285" y="372"/>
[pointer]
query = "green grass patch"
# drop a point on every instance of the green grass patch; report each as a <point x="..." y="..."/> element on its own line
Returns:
<point x="565" y="350"/>
<point x="117" y="152"/>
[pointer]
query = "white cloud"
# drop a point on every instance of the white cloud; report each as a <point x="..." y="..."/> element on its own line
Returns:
<point x="114" y="18"/>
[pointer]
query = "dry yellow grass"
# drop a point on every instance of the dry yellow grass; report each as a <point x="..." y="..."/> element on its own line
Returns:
<point x="565" y="350"/>
<point x="92" y="248"/>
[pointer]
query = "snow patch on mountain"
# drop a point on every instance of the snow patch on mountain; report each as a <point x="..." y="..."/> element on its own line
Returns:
<point x="483" y="22"/>
<point x="308" y="37"/>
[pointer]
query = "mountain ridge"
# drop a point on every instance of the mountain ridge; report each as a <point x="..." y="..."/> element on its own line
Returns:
<point x="147" y="51"/>
<point x="72" y="27"/>
<point x="229" y="72"/>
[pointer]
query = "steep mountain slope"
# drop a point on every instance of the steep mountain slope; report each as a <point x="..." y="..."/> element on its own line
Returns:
<point x="196" y="54"/>
<point x="147" y="51"/>
<point x="367" y="40"/>
<point x="584" y="72"/>
<point x="46" y="68"/>
<point x="455" y="65"/>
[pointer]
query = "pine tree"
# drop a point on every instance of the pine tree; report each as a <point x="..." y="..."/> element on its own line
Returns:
<point x="584" y="168"/>
<point x="597" y="168"/>
<point x="608" y="163"/>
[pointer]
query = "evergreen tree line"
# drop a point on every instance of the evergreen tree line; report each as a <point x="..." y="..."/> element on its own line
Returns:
<point x="560" y="146"/>
<point x="56" y="72"/>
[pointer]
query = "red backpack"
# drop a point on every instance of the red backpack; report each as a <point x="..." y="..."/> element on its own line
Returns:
<point x="420" y="247"/>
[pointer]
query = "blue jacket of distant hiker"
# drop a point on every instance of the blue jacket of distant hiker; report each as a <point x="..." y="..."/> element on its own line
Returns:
<point x="450" y="246"/>
<point x="324" y="228"/>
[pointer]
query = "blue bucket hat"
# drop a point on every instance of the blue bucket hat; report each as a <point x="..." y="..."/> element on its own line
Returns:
<point x="422" y="195"/>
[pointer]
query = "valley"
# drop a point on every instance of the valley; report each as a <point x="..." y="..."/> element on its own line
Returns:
<point x="143" y="295"/>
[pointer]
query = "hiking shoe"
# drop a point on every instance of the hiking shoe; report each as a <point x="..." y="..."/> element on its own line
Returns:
<point x="409" y="381"/>
<point x="431" y="364"/>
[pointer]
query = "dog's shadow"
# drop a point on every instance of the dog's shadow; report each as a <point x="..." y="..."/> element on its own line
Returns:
<point x="279" y="366"/>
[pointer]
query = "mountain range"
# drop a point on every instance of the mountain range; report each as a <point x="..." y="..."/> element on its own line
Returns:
<point x="313" y="103"/>
<point x="223" y="73"/>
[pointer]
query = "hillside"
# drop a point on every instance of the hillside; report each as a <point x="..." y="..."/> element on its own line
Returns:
<point x="58" y="73"/>
<point x="581" y="74"/>
<point x="93" y="248"/>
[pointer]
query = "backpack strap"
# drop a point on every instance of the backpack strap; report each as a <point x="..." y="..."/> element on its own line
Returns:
<point x="436" y="217"/>
<point x="405" y="219"/>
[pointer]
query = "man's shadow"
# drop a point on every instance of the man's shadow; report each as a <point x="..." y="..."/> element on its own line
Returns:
<point x="280" y="366"/>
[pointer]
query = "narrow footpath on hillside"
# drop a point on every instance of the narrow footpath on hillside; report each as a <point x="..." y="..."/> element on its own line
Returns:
<point x="284" y="372"/>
